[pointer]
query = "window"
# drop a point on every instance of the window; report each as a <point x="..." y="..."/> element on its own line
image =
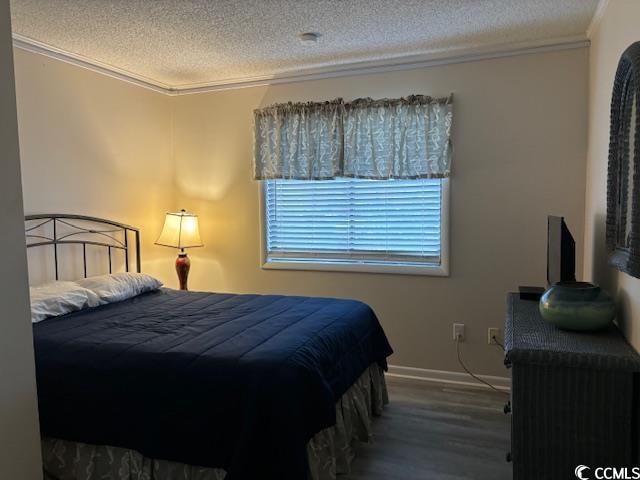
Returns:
<point x="394" y="226"/>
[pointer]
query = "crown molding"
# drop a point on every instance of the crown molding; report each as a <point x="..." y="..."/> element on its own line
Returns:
<point x="445" y="57"/>
<point x="597" y="16"/>
<point x="34" y="46"/>
<point x="411" y="62"/>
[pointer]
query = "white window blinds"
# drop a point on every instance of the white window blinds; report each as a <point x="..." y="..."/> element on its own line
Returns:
<point x="354" y="221"/>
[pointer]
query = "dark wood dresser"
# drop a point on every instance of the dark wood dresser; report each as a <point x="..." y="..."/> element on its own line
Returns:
<point x="574" y="396"/>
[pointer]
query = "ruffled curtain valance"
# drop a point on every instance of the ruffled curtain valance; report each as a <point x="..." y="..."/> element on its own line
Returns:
<point x="299" y="141"/>
<point x="376" y="139"/>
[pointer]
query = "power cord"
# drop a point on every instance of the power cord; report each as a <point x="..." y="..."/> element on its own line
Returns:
<point x="474" y="376"/>
<point x="495" y="340"/>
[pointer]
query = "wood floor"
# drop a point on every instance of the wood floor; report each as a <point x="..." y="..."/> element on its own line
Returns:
<point x="432" y="431"/>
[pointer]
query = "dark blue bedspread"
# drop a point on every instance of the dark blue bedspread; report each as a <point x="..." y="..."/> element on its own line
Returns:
<point x="239" y="382"/>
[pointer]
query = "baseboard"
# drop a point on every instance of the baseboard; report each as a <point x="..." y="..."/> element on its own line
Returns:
<point x="445" y="376"/>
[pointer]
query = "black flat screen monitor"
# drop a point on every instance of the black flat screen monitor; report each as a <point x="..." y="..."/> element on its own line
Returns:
<point x="561" y="252"/>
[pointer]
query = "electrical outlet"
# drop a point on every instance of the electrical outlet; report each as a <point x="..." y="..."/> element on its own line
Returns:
<point x="458" y="332"/>
<point x="491" y="333"/>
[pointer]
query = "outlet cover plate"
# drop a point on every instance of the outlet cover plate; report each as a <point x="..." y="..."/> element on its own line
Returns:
<point x="493" y="332"/>
<point x="458" y="332"/>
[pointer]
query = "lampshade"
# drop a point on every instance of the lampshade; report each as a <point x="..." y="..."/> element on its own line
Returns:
<point x="180" y="231"/>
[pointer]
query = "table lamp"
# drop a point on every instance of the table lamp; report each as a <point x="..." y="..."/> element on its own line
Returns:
<point x="181" y="231"/>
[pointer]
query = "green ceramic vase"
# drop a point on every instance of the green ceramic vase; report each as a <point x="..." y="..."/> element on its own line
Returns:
<point x="578" y="306"/>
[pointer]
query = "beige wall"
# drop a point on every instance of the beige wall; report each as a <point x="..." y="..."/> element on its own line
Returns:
<point x="19" y="436"/>
<point x="520" y="146"/>
<point x="94" y="145"/>
<point x="615" y="32"/>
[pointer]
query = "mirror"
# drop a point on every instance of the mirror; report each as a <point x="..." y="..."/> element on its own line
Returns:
<point x="623" y="182"/>
<point x="626" y="172"/>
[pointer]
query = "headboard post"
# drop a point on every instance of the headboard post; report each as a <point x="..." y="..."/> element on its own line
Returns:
<point x="85" y="231"/>
<point x="55" y="246"/>
<point x="126" y="251"/>
<point x="138" y="262"/>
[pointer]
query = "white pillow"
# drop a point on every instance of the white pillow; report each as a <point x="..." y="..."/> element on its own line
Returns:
<point x="120" y="286"/>
<point x="58" y="298"/>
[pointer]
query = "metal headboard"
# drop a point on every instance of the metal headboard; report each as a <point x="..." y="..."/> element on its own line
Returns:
<point x="65" y="229"/>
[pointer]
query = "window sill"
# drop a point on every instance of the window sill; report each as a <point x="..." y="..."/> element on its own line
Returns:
<point x="394" y="269"/>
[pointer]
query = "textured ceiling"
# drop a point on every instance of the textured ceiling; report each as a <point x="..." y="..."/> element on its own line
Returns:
<point x="186" y="42"/>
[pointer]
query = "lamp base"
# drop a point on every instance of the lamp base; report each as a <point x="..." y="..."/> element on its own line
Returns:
<point x="183" y="264"/>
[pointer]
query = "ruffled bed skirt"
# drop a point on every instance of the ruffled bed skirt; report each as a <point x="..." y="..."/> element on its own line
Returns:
<point x="330" y="451"/>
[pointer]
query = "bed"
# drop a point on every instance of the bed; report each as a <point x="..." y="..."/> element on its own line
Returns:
<point x="194" y="385"/>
